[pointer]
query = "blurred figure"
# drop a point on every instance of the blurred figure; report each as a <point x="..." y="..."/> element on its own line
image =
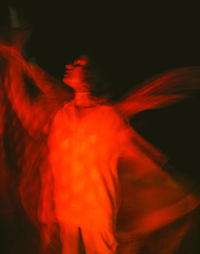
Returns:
<point x="83" y="155"/>
<point x="83" y="166"/>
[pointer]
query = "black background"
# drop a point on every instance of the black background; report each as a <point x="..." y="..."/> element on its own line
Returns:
<point x="128" y="43"/>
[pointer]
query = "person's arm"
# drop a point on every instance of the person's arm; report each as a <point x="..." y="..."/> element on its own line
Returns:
<point x="30" y="112"/>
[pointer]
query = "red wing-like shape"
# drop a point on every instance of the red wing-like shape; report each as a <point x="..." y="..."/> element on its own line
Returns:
<point x="34" y="113"/>
<point x="29" y="100"/>
<point x="152" y="202"/>
<point x="165" y="89"/>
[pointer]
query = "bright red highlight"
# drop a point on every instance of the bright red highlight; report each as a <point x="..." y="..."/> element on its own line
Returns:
<point x="83" y="166"/>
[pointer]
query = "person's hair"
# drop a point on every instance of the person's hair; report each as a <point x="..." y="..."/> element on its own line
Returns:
<point x="99" y="86"/>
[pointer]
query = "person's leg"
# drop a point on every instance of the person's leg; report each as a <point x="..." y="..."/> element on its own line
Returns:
<point x="97" y="242"/>
<point x="69" y="235"/>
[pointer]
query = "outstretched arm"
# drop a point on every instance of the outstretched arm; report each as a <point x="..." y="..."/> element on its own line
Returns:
<point x="29" y="111"/>
<point x="160" y="91"/>
<point x="32" y="112"/>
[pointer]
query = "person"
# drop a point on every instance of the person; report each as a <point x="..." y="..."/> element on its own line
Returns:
<point x="83" y="156"/>
<point x="96" y="174"/>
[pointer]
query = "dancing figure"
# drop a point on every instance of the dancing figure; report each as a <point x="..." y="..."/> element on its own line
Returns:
<point x="84" y="167"/>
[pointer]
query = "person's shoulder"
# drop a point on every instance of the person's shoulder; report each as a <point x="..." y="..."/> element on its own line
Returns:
<point x="109" y="112"/>
<point x="105" y="109"/>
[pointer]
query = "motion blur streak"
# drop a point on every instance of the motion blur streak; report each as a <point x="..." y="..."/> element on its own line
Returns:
<point x="81" y="168"/>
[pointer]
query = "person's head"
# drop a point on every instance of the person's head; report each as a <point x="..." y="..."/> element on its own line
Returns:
<point x="76" y="75"/>
<point x="89" y="88"/>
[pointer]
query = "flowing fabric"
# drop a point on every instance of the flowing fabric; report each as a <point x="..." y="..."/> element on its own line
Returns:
<point x="85" y="168"/>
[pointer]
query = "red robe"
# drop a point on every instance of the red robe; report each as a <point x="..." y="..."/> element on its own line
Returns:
<point x="85" y="145"/>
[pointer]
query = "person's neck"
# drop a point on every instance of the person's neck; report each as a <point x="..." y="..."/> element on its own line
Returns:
<point x="83" y="99"/>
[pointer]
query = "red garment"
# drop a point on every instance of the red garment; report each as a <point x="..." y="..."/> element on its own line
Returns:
<point x="84" y="147"/>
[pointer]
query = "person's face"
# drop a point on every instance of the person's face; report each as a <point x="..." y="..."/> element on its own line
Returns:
<point x="75" y="75"/>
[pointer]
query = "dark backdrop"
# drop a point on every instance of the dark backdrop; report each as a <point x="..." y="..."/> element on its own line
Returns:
<point x="127" y="43"/>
